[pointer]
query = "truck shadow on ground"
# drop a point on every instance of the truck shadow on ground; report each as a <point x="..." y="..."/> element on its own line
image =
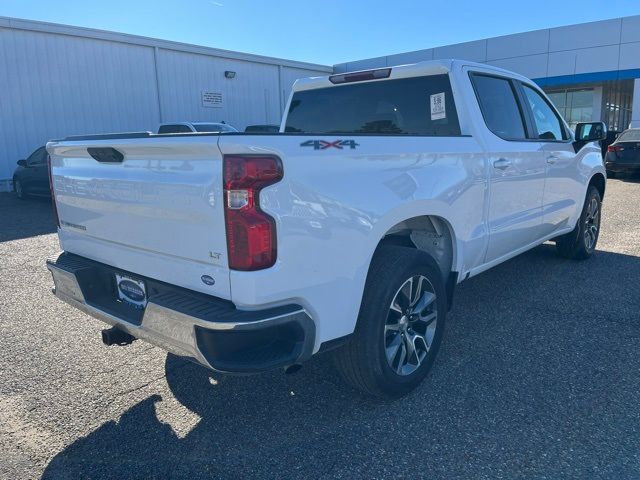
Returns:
<point x="25" y="218"/>
<point x="536" y="373"/>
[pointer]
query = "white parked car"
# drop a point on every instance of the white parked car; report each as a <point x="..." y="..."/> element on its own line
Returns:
<point x="346" y="232"/>
<point x="196" y="127"/>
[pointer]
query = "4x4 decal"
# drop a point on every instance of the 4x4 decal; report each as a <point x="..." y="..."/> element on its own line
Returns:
<point x="324" y="144"/>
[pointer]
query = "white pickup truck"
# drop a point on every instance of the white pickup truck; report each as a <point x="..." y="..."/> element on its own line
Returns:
<point x="346" y="231"/>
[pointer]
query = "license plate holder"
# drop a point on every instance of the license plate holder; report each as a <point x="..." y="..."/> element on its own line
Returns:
<point x="131" y="291"/>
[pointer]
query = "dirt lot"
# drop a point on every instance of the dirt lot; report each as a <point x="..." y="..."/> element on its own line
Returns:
<point x="539" y="376"/>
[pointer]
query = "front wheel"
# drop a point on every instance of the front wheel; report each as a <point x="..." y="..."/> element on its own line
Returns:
<point x="400" y="325"/>
<point x="581" y="242"/>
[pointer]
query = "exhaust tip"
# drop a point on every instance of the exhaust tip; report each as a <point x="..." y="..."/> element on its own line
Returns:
<point x="292" y="368"/>
<point x="115" y="336"/>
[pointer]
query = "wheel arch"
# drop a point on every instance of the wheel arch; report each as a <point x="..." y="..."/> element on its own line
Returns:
<point x="599" y="181"/>
<point x="432" y="234"/>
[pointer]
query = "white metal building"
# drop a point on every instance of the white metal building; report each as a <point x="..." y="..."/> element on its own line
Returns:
<point x="591" y="71"/>
<point x="57" y="80"/>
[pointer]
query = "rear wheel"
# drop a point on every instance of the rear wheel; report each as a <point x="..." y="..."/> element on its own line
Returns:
<point x="19" y="189"/>
<point x="581" y="242"/>
<point x="400" y="325"/>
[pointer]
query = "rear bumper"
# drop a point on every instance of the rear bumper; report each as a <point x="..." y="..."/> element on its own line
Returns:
<point x="207" y="329"/>
<point x="619" y="167"/>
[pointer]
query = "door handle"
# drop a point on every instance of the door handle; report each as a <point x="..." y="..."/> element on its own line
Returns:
<point x="551" y="159"/>
<point x="502" y="164"/>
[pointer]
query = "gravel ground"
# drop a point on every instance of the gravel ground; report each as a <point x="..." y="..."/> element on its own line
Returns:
<point x="538" y="377"/>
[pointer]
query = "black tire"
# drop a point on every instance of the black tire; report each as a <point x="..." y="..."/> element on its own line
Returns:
<point x="581" y="242"/>
<point x="363" y="361"/>
<point x="19" y="189"/>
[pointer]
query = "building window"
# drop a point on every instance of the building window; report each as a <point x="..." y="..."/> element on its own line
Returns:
<point x="581" y="103"/>
<point x="617" y="98"/>
<point x="574" y="105"/>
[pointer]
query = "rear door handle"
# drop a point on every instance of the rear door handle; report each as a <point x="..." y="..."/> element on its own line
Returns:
<point x="552" y="159"/>
<point x="502" y="164"/>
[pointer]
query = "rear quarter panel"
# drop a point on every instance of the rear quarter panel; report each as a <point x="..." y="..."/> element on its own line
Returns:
<point x="334" y="206"/>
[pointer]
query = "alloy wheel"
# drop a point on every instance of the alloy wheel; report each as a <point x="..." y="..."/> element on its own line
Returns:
<point x="411" y="325"/>
<point x="592" y="224"/>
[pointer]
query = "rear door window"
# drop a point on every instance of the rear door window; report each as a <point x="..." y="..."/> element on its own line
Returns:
<point x="500" y="109"/>
<point x="406" y="106"/>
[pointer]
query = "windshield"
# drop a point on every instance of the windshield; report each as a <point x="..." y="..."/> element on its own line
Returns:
<point x="213" y="127"/>
<point x="629" y="136"/>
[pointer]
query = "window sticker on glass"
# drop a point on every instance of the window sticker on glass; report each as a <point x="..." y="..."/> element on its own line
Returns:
<point x="438" y="110"/>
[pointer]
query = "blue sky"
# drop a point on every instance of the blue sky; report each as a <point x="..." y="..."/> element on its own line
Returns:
<point x="326" y="32"/>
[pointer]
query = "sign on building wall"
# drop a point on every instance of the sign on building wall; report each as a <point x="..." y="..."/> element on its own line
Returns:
<point x="212" y="99"/>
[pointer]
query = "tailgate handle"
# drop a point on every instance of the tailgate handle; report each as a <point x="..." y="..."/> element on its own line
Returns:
<point x="106" y="154"/>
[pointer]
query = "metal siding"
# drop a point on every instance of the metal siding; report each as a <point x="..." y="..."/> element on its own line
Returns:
<point x="58" y="80"/>
<point x="410" y="57"/>
<point x="599" y="59"/>
<point x="56" y="85"/>
<point x="289" y="76"/>
<point x="532" y="66"/>
<point x="629" y="56"/>
<point x="367" y="64"/>
<point x="340" y="68"/>
<point x="561" y="63"/>
<point x="630" y="29"/>
<point x="518" y="45"/>
<point x="585" y="35"/>
<point x="249" y="98"/>
<point x="475" y="51"/>
<point x="56" y="28"/>
<point x="556" y="54"/>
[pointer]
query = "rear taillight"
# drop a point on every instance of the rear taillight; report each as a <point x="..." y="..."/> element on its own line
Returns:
<point x="53" y="197"/>
<point x="251" y="233"/>
<point x="614" y="148"/>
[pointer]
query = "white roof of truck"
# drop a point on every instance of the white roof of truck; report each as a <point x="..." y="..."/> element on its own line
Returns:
<point x="429" y="67"/>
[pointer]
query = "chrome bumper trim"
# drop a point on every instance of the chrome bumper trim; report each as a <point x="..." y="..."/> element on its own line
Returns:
<point x="165" y="327"/>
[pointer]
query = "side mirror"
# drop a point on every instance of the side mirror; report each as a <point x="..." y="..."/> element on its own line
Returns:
<point x="591" y="131"/>
<point x="22" y="163"/>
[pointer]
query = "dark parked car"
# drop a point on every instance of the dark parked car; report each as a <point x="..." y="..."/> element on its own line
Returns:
<point x="623" y="155"/>
<point x="262" y="129"/>
<point x="32" y="175"/>
<point x="611" y="137"/>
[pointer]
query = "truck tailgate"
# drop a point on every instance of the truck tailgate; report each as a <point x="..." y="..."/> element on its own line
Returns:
<point x="158" y="213"/>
